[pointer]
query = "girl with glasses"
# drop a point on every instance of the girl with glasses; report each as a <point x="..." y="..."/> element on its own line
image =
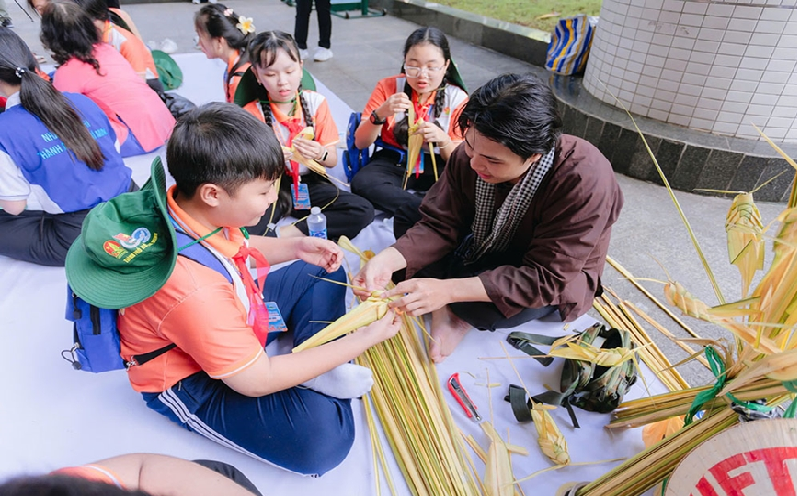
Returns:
<point x="427" y="83"/>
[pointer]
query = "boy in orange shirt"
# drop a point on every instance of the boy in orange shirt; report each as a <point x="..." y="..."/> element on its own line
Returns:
<point x="289" y="410"/>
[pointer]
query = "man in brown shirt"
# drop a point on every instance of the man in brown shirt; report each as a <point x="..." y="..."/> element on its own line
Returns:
<point x="516" y="228"/>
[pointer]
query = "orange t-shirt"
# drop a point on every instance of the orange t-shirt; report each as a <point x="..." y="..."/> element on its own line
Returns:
<point x="132" y="49"/>
<point x="231" y="87"/>
<point x="92" y="472"/>
<point x="455" y="99"/>
<point x="325" y="129"/>
<point x="129" y="20"/>
<point x="199" y="311"/>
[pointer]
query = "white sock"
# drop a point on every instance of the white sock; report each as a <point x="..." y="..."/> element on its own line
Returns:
<point x="344" y="381"/>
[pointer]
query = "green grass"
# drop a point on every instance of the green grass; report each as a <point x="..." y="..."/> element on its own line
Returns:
<point x="527" y="12"/>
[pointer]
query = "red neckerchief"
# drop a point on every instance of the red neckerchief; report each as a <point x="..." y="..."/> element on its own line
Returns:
<point x="424" y="112"/>
<point x="295" y="126"/>
<point x="258" y="313"/>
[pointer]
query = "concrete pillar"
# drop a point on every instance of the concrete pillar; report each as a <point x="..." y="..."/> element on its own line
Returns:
<point x="709" y="65"/>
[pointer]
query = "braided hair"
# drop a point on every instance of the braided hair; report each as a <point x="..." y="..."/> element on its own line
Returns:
<point x="210" y="20"/>
<point x="68" y="32"/>
<point x="434" y="37"/>
<point x="263" y="51"/>
<point x="37" y="96"/>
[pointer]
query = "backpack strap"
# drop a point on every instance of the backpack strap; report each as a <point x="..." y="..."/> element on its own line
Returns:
<point x="523" y="342"/>
<point x="189" y="248"/>
<point x="138" y="360"/>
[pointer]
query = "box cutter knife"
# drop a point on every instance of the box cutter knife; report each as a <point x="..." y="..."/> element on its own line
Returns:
<point x="459" y="394"/>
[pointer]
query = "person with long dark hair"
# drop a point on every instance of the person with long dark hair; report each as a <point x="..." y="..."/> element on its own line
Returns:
<point x="117" y="15"/>
<point x="125" y="42"/>
<point x="288" y="109"/>
<point x="517" y="228"/>
<point x="428" y="83"/>
<point x="58" y="158"/>
<point x="95" y="69"/>
<point x="225" y="35"/>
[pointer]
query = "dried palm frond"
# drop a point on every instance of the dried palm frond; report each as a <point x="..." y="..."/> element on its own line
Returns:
<point x="367" y="312"/>
<point x="309" y="134"/>
<point x="745" y="241"/>
<point x="429" y="449"/>
<point x="605" y="357"/>
<point x="414" y="144"/>
<point x="498" y="479"/>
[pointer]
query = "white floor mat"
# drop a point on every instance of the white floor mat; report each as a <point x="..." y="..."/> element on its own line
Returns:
<point x="52" y="416"/>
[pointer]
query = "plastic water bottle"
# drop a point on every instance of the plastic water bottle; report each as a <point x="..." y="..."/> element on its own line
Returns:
<point x="317" y="223"/>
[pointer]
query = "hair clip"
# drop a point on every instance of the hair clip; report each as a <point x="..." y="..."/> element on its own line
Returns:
<point x="228" y="13"/>
<point x="20" y="71"/>
<point x="245" y="25"/>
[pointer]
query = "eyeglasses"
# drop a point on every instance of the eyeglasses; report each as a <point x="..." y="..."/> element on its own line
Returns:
<point x="414" y="72"/>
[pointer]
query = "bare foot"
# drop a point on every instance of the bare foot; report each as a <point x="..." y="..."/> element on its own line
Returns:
<point x="447" y="331"/>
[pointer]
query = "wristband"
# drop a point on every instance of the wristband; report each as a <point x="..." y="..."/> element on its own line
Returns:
<point x="325" y="155"/>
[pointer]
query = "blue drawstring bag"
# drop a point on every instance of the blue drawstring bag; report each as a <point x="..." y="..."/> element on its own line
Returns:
<point x="570" y="43"/>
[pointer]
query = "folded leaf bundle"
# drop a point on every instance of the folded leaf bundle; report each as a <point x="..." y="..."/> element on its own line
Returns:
<point x="414" y="144"/>
<point x="365" y="313"/>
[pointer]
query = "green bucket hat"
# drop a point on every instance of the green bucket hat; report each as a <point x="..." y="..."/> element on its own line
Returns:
<point x="127" y="248"/>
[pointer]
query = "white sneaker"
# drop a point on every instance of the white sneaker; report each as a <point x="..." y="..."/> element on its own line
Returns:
<point x="321" y="54"/>
<point x="168" y="46"/>
<point x="304" y="54"/>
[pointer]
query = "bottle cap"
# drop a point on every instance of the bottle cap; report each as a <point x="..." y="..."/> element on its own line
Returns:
<point x="315" y="211"/>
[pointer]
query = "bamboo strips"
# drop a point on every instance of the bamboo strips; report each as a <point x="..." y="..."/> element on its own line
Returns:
<point x="666" y="332"/>
<point x="619" y="268"/>
<point x="653" y="465"/>
<point x="618" y="316"/>
<point x="425" y="448"/>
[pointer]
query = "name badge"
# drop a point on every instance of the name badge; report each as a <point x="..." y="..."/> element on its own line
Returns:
<point x="301" y="201"/>
<point x="275" y="320"/>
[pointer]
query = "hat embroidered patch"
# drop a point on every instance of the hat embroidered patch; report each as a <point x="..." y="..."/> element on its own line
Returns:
<point x="137" y="242"/>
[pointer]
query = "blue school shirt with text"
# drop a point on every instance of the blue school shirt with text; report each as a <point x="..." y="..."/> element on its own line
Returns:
<point x="45" y="161"/>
